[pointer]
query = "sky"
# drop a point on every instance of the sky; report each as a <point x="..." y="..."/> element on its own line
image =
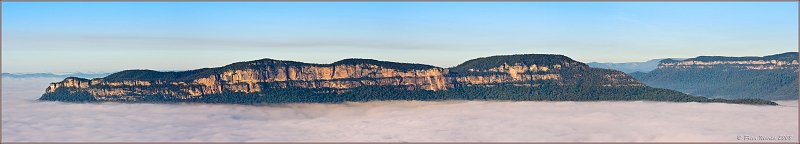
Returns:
<point x="115" y="36"/>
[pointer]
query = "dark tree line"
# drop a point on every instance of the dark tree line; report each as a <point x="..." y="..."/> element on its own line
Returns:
<point x="373" y="93"/>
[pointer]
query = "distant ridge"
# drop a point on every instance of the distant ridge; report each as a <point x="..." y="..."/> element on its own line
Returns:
<point x="631" y="67"/>
<point x="52" y="75"/>
<point x="772" y="77"/>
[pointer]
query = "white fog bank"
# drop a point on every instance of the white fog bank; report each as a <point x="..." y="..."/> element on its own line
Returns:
<point x="24" y="119"/>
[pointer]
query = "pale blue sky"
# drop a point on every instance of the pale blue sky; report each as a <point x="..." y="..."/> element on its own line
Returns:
<point x="113" y="36"/>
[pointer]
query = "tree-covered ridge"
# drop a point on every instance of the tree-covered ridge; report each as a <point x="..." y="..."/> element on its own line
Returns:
<point x="668" y="61"/>
<point x="279" y="81"/>
<point x="479" y="63"/>
<point x="189" y="75"/>
<point x="152" y="75"/>
<point x="386" y="64"/>
<point x="485" y="63"/>
<point x="732" y="81"/>
<point x="149" y="75"/>
<point x="783" y="56"/>
<point x="349" y="61"/>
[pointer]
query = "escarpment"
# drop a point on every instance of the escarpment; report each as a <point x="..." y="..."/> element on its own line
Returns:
<point x="771" y="77"/>
<point x="784" y="61"/>
<point x="508" y="77"/>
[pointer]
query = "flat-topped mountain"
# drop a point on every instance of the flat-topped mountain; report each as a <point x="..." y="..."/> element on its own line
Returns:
<point x="771" y="77"/>
<point x="507" y="77"/>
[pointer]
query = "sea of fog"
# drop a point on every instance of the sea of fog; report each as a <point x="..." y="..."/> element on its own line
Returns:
<point x="25" y="119"/>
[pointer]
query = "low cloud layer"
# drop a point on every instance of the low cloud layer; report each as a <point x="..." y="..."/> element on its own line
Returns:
<point x="25" y="119"/>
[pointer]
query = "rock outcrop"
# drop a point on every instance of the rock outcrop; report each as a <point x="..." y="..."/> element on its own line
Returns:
<point x="354" y="77"/>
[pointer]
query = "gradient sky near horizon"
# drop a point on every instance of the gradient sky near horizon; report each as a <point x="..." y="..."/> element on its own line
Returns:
<point x="114" y="36"/>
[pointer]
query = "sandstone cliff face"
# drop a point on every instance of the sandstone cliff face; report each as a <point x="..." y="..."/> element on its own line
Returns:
<point x="751" y="64"/>
<point x="774" y="62"/>
<point x="264" y="75"/>
<point x="70" y="82"/>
